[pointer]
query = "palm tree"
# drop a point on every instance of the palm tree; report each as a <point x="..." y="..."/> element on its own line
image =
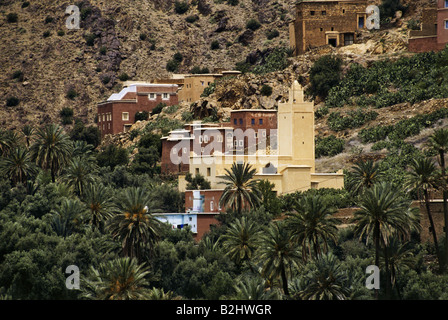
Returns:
<point x="18" y="165"/>
<point x="422" y="178"/>
<point x="66" y="216"/>
<point x="52" y="149"/>
<point x="79" y="174"/>
<point x="28" y="132"/>
<point x="241" y="190"/>
<point x="399" y="256"/>
<point x="100" y="204"/>
<point x="384" y="213"/>
<point x="135" y="227"/>
<point x="327" y="281"/>
<point x="240" y="240"/>
<point x="312" y="223"/>
<point x="438" y="141"/>
<point x="251" y="287"/>
<point x="278" y="254"/>
<point x="363" y="175"/>
<point x="119" y="279"/>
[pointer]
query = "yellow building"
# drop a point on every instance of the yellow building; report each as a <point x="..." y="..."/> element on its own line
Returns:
<point x="289" y="163"/>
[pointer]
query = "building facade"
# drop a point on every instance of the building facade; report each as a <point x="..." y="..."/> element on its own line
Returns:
<point x="285" y="157"/>
<point x="117" y="114"/>
<point x="322" y="22"/>
<point x="433" y="33"/>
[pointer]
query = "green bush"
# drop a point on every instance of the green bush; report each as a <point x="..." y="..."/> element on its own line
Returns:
<point x="158" y="108"/>
<point x="18" y="74"/>
<point x="253" y="24"/>
<point x="61" y="33"/>
<point x="90" y="39"/>
<point x="266" y="90"/>
<point x="12" y="101"/>
<point x="141" y="116"/>
<point x="276" y="60"/>
<point x="67" y="115"/>
<point x="271" y="34"/>
<point x="25" y="4"/>
<point x="71" y="94"/>
<point x="46" y="34"/>
<point x="12" y="17"/>
<point x="192" y="19"/>
<point x="123" y="77"/>
<point x="103" y="50"/>
<point x="328" y="146"/>
<point x="209" y="90"/>
<point x="142" y="36"/>
<point x="324" y="75"/>
<point x="354" y="119"/>
<point x="180" y="7"/>
<point x="214" y="45"/>
<point x="233" y="2"/>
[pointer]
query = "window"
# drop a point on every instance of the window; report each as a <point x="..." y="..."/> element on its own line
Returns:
<point x="202" y="83"/>
<point x="209" y="172"/>
<point x="446" y="24"/>
<point x="165" y="96"/>
<point x="361" y="22"/>
<point x="197" y="171"/>
<point x="324" y="13"/>
<point x="152" y="96"/>
<point x="104" y="117"/>
<point x="312" y="13"/>
<point x="124" y="116"/>
<point x="235" y="121"/>
<point x="99" y="117"/>
<point x="446" y="3"/>
<point x="260" y="121"/>
<point x="241" y="121"/>
<point x="252" y="121"/>
<point x="321" y="29"/>
<point x="343" y="10"/>
<point x="348" y="39"/>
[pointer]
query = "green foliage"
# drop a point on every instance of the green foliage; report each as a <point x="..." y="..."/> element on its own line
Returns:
<point x="324" y="75"/>
<point x="71" y="94"/>
<point x="253" y="24"/>
<point x="12" y="101"/>
<point x="12" y="17"/>
<point x="158" y="108"/>
<point x="409" y="79"/>
<point x="180" y="7"/>
<point x="276" y="60"/>
<point x="266" y="90"/>
<point x="354" y="119"/>
<point x="192" y="19"/>
<point x="209" y="90"/>
<point x="214" y="45"/>
<point x="90" y="39"/>
<point x="90" y="134"/>
<point x="389" y="7"/>
<point x="141" y="116"/>
<point x="67" y="115"/>
<point x="197" y="182"/>
<point x="123" y="76"/>
<point x="404" y="128"/>
<point x="328" y="146"/>
<point x="112" y="156"/>
<point x="271" y="34"/>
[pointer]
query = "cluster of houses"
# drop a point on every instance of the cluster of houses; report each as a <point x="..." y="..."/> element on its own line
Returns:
<point x="278" y="143"/>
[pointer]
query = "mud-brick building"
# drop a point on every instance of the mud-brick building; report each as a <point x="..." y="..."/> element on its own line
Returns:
<point x="117" y="114"/>
<point x="433" y="33"/>
<point x="322" y="22"/>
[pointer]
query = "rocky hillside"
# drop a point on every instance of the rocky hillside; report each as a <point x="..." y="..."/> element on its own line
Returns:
<point x="48" y="67"/>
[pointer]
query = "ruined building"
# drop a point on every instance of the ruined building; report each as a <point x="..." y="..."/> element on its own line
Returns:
<point x="322" y="22"/>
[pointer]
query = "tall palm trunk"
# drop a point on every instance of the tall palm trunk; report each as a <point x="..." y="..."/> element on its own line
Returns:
<point x="445" y="207"/>
<point x="433" y="230"/>
<point x="284" y="280"/>
<point x="376" y="233"/>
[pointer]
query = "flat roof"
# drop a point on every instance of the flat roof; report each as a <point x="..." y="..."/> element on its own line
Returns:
<point x="254" y="110"/>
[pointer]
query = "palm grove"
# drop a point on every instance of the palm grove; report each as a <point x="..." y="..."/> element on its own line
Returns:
<point x="63" y="202"/>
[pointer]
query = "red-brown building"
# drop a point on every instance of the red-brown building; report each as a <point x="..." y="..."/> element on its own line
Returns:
<point x="433" y="33"/>
<point x="117" y="114"/>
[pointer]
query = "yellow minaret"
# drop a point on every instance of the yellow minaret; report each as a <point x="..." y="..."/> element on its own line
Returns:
<point x="296" y="128"/>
